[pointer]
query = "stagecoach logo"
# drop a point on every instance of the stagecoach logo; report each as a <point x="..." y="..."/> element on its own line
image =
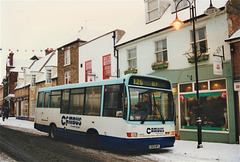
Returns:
<point x="155" y="130"/>
<point x="75" y="121"/>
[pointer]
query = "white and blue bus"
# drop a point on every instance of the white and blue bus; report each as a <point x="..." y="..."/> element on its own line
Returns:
<point x="135" y="112"/>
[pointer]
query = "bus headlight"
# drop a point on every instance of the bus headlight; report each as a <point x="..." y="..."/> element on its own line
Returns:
<point x="170" y="133"/>
<point x="132" y="134"/>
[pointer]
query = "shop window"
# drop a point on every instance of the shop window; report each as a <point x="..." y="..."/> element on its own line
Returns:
<point x="201" y="86"/>
<point x="93" y="101"/>
<point x="213" y="110"/>
<point x="24" y="108"/>
<point x="218" y="84"/>
<point x="186" y="87"/>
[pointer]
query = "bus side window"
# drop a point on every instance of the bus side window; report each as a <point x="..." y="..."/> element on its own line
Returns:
<point x="113" y="101"/>
<point x="93" y="101"/>
<point x="40" y="99"/>
<point x="46" y="99"/>
<point x="65" y="102"/>
<point x="76" y="101"/>
<point x="55" y="100"/>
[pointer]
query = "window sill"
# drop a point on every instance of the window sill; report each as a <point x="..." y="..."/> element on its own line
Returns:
<point x="203" y="57"/>
<point x="159" y="65"/>
<point x="130" y="71"/>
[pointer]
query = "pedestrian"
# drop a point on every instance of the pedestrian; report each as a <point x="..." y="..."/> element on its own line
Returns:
<point x="7" y="112"/>
<point x="3" y="113"/>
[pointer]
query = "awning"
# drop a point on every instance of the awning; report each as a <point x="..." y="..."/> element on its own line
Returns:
<point x="8" y="97"/>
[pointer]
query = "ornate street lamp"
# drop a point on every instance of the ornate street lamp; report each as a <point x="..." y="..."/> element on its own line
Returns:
<point x="177" y="24"/>
<point x="211" y="11"/>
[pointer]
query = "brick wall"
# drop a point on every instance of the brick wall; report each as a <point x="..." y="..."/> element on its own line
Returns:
<point x="73" y="67"/>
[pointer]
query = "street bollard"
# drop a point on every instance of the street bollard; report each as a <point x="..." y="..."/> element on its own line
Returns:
<point x="199" y="132"/>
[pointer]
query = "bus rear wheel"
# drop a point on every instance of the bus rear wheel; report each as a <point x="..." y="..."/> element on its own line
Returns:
<point x="52" y="131"/>
<point x="92" y="139"/>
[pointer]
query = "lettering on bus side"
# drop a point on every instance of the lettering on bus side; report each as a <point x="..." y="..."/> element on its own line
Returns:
<point x="155" y="130"/>
<point x="75" y="121"/>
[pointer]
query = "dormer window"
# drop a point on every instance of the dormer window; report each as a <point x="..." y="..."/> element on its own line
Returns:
<point x="33" y="80"/>
<point x="155" y="9"/>
<point x="48" y="76"/>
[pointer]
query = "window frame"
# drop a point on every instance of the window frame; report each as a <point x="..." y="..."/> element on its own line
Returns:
<point x="67" y="77"/>
<point x="198" y="41"/>
<point x="106" y="63"/>
<point x="48" y="79"/>
<point x="33" y="80"/>
<point x="161" y="51"/>
<point x="67" y="57"/>
<point x="88" y="69"/>
<point x="131" y="59"/>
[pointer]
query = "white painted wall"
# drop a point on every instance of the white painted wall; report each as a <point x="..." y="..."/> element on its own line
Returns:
<point x="95" y="50"/>
<point x="178" y="42"/>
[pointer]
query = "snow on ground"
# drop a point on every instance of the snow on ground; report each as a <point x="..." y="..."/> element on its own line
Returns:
<point x="182" y="150"/>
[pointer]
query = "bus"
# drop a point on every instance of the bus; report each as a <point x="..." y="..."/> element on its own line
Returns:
<point x="132" y="113"/>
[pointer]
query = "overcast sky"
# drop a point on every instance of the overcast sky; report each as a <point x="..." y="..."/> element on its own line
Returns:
<point x="28" y="25"/>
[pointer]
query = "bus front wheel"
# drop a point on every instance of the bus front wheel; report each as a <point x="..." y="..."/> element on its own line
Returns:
<point x="52" y="131"/>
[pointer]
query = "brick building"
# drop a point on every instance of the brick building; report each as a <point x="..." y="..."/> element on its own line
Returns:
<point x="233" y="10"/>
<point x="68" y="62"/>
<point x="9" y="82"/>
<point x="43" y="73"/>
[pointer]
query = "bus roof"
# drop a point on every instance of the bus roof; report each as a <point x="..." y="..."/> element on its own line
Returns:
<point x="98" y="83"/>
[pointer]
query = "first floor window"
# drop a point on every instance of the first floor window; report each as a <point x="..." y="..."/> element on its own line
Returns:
<point x="161" y="50"/>
<point x="132" y="58"/>
<point x="67" y="57"/>
<point x="67" y="77"/>
<point x="201" y="41"/>
<point x="106" y="66"/>
<point x="88" y="69"/>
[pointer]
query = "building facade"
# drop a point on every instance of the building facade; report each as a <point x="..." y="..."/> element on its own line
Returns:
<point x="233" y="11"/>
<point x="160" y="50"/>
<point x="42" y="73"/>
<point x="98" y="58"/>
<point x="68" y="62"/>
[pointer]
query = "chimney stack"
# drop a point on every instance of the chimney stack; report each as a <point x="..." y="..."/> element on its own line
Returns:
<point x="48" y="51"/>
<point x="11" y="59"/>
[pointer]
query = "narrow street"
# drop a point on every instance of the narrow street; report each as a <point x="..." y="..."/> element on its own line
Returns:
<point x="26" y="146"/>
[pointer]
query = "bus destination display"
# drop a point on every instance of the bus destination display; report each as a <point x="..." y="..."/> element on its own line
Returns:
<point x="149" y="82"/>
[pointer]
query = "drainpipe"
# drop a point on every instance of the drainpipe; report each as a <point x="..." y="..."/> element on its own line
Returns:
<point x="115" y="51"/>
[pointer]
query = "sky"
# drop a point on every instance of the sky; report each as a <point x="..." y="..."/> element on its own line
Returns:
<point x="28" y="27"/>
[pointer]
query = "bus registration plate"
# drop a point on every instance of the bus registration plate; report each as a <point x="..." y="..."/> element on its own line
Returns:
<point x="154" y="146"/>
